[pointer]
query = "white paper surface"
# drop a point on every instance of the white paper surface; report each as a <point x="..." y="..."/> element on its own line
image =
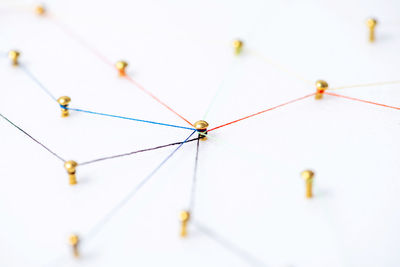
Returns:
<point x="248" y="191"/>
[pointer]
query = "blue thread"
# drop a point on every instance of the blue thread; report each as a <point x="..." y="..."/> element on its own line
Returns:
<point x="97" y="227"/>
<point x="126" y="118"/>
<point x="92" y="112"/>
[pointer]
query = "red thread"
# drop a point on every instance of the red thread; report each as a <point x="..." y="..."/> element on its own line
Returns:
<point x="263" y="111"/>
<point x="156" y="98"/>
<point x="364" y="101"/>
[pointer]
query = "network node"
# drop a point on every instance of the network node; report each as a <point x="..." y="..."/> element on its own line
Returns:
<point x="14" y="55"/>
<point x="40" y="10"/>
<point x="184" y="217"/>
<point x="308" y="177"/>
<point x="321" y="87"/>
<point x="70" y="166"/>
<point x="238" y="45"/>
<point x="371" y="23"/>
<point x="64" y="102"/>
<point x="121" y="66"/>
<point x="74" y="242"/>
<point x="201" y="127"/>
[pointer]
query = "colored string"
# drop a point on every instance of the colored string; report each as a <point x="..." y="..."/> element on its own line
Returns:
<point x="156" y="98"/>
<point x="135" y="152"/>
<point x="81" y="41"/>
<point x="97" y="227"/>
<point x="365" y="85"/>
<point x="364" y="101"/>
<point x="193" y="192"/>
<point x="127" y="118"/>
<point x="92" y="112"/>
<point x="33" y="78"/>
<point x="280" y="67"/>
<point x="263" y="111"/>
<point x="203" y="229"/>
<point x="239" y="252"/>
<point x="31" y="137"/>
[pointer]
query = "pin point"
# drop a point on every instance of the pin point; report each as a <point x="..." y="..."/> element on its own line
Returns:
<point x="40" y="10"/>
<point x="121" y="66"/>
<point x="321" y="87"/>
<point x="14" y="55"/>
<point x="201" y="127"/>
<point x="308" y="176"/>
<point x="237" y="45"/>
<point x="64" y="102"/>
<point x="371" y="23"/>
<point x="74" y="242"/>
<point x="184" y="217"/>
<point x="70" y="166"/>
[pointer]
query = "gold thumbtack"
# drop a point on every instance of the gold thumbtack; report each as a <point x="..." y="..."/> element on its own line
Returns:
<point x="14" y="55"/>
<point x="121" y="66"/>
<point x="371" y="23"/>
<point x="184" y="217"/>
<point x="308" y="176"/>
<point x="201" y="127"/>
<point x="74" y="242"/>
<point x="40" y="10"/>
<point x="70" y="166"/>
<point x="321" y="87"/>
<point x="238" y="45"/>
<point x="64" y="102"/>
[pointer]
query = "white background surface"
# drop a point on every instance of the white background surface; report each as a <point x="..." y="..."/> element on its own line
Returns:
<point x="249" y="190"/>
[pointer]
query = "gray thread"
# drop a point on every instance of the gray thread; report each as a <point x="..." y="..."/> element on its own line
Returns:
<point x="45" y="147"/>
<point x="229" y="245"/>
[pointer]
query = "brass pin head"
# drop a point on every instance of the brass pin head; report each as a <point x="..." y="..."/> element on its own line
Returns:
<point x="321" y="87"/>
<point x="308" y="177"/>
<point x="64" y="102"/>
<point x="73" y="240"/>
<point x="70" y="167"/>
<point x="371" y="23"/>
<point x="201" y="126"/>
<point x="14" y="55"/>
<point x="121" y="67"/>
<point x="184" y="217"/>
<point x="40" y="10"/>
<point x="237" y="45"/>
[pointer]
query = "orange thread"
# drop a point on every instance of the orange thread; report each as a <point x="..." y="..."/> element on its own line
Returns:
<point x="263" y="111"/>
<point x="73" y="35"/>
<point x="155" y="98"/>
<point x="364" y="101"/>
